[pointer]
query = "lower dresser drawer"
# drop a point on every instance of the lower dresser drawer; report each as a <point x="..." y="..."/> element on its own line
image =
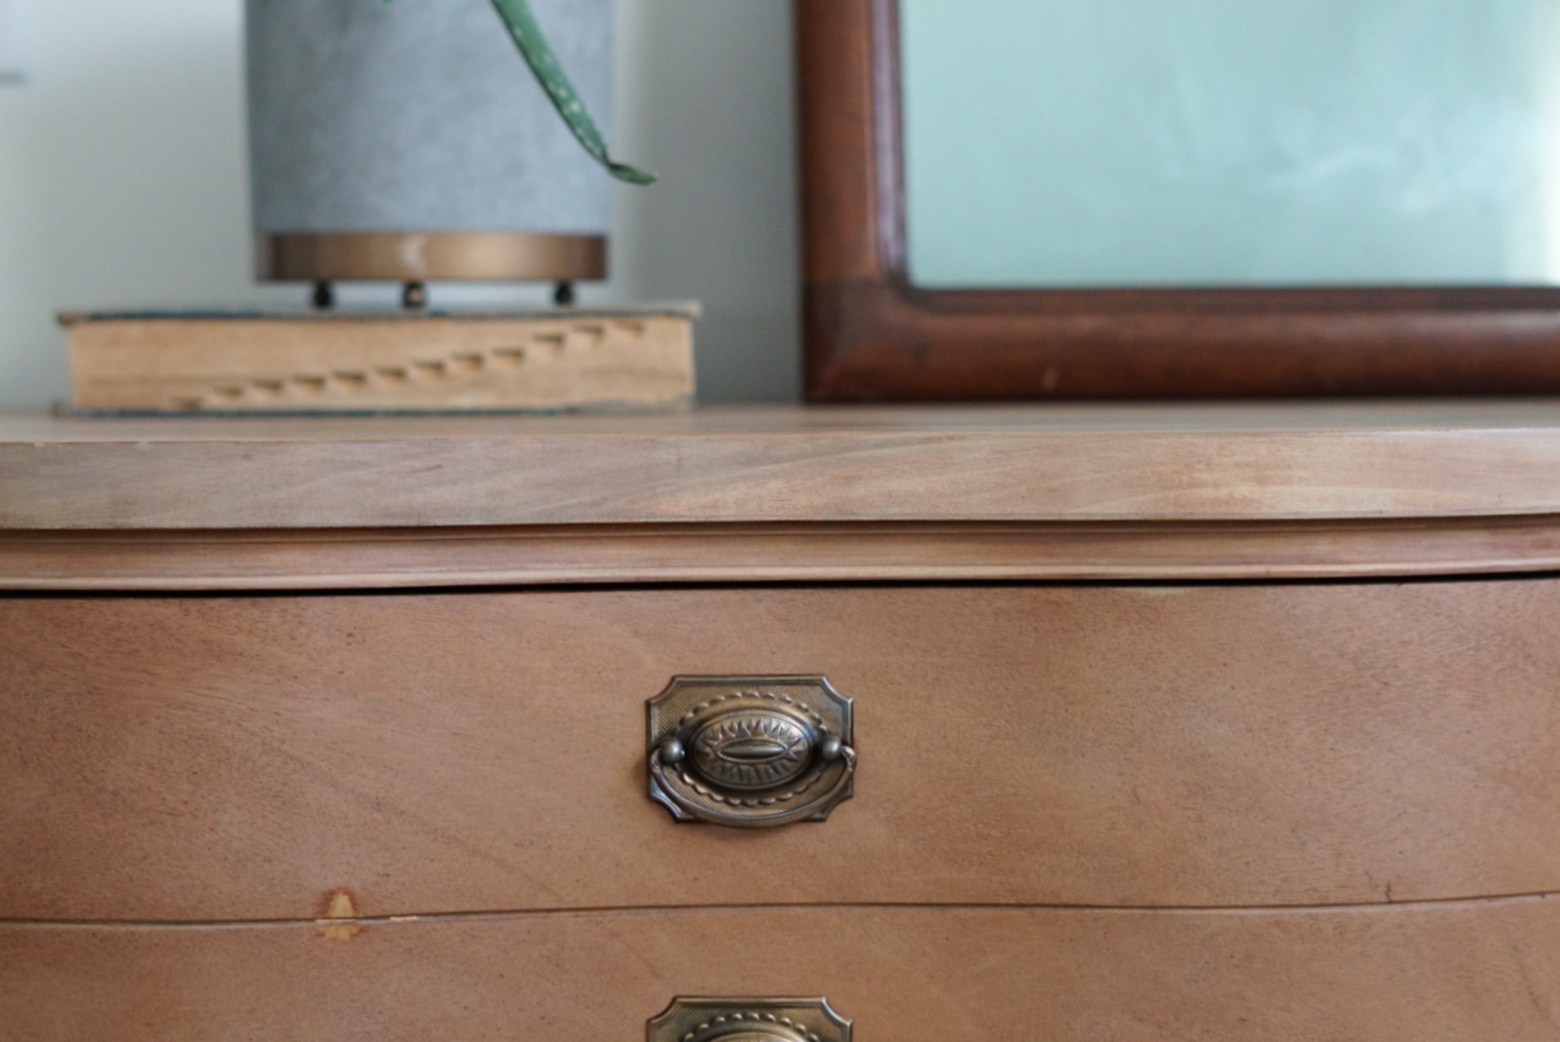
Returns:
<point x="281" y="758"/>
<point x="1423" y="973"/>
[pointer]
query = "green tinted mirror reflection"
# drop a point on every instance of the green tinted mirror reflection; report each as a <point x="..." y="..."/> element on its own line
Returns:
<point x="1231" y="142"/>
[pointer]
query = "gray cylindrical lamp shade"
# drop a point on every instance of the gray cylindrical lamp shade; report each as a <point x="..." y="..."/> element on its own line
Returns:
<point x="409" y="141"/>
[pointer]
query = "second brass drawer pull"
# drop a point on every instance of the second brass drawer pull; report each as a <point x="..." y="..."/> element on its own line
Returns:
<point x="750" y="752"/>
<point x="748" y="1020"/>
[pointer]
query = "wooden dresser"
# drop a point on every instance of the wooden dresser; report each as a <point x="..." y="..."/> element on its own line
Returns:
<point x="1165" y="723"/>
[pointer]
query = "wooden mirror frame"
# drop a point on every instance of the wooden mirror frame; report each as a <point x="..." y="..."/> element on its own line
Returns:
<point x="872" y="336"/>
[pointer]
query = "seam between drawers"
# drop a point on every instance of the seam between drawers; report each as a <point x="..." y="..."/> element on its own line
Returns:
<point x="655" y="910"/>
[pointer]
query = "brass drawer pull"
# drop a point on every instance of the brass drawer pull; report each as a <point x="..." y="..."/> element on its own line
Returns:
<point x="748" y="1020"/>
<point x="750" y="752"/>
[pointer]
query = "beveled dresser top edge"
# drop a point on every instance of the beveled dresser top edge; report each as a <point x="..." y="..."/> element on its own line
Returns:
<point x="785" y="465"/>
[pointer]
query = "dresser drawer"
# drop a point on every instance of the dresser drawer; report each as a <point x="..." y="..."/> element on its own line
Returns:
<point x="1449" y="973"/>
<point x="277" y="757"/>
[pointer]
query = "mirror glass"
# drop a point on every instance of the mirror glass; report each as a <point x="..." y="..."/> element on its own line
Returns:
<point x="1184" y="143"/>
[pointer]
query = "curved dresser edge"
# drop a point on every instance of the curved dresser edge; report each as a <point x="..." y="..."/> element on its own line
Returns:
<point x="554" y="555"/>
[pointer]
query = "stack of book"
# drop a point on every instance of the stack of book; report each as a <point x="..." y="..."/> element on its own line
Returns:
<point x="328" y="361"/>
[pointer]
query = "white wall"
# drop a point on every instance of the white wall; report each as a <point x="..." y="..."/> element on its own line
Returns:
<point x="123" y="181"/>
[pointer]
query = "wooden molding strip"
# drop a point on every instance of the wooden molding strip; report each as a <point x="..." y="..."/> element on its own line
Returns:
<point x="558" y="555"/>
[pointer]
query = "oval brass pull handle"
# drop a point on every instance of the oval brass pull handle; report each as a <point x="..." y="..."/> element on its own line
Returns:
<point x="750" y="752"/>
<point x="748" y="1020"/>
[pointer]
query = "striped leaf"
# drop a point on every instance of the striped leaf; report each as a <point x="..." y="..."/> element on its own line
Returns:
<point x="538" y="54"/>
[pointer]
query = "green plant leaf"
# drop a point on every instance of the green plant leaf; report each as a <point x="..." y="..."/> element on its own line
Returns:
<point x="539" y="55"/>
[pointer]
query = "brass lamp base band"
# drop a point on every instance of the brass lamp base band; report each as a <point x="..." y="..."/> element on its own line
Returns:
<point x="424" y="256"/>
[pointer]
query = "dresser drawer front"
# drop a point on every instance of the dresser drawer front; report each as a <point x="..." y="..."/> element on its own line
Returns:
<point x="231" y="758"/>
<point x="1408" y="974"/>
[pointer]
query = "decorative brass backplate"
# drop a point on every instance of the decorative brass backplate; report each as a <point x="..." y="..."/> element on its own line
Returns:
<point x="748" y="1020"/>
<point x="750" y="751"/>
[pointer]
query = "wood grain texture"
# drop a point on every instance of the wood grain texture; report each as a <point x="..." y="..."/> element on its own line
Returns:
<point x="332" y="362"/>
<point x="783" y="464"/>
<point x="871" y="336"/>
<point x="552" y="555"/>
<point x="1423" y="974"/>
<point x="205" y="758"/>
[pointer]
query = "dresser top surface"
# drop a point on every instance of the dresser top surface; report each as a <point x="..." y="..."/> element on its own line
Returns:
<point x="783" y="464"/>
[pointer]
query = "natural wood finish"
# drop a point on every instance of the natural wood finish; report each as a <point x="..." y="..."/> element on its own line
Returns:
<point x="365" y="559"/>
<point x="872" y="336"/>
<point x="783" y="464"/>
<point x="236" y="758"/>
<point x="423" y="815"/>
<point x="332" y="362"/>
<point x="1450" y="973"/>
